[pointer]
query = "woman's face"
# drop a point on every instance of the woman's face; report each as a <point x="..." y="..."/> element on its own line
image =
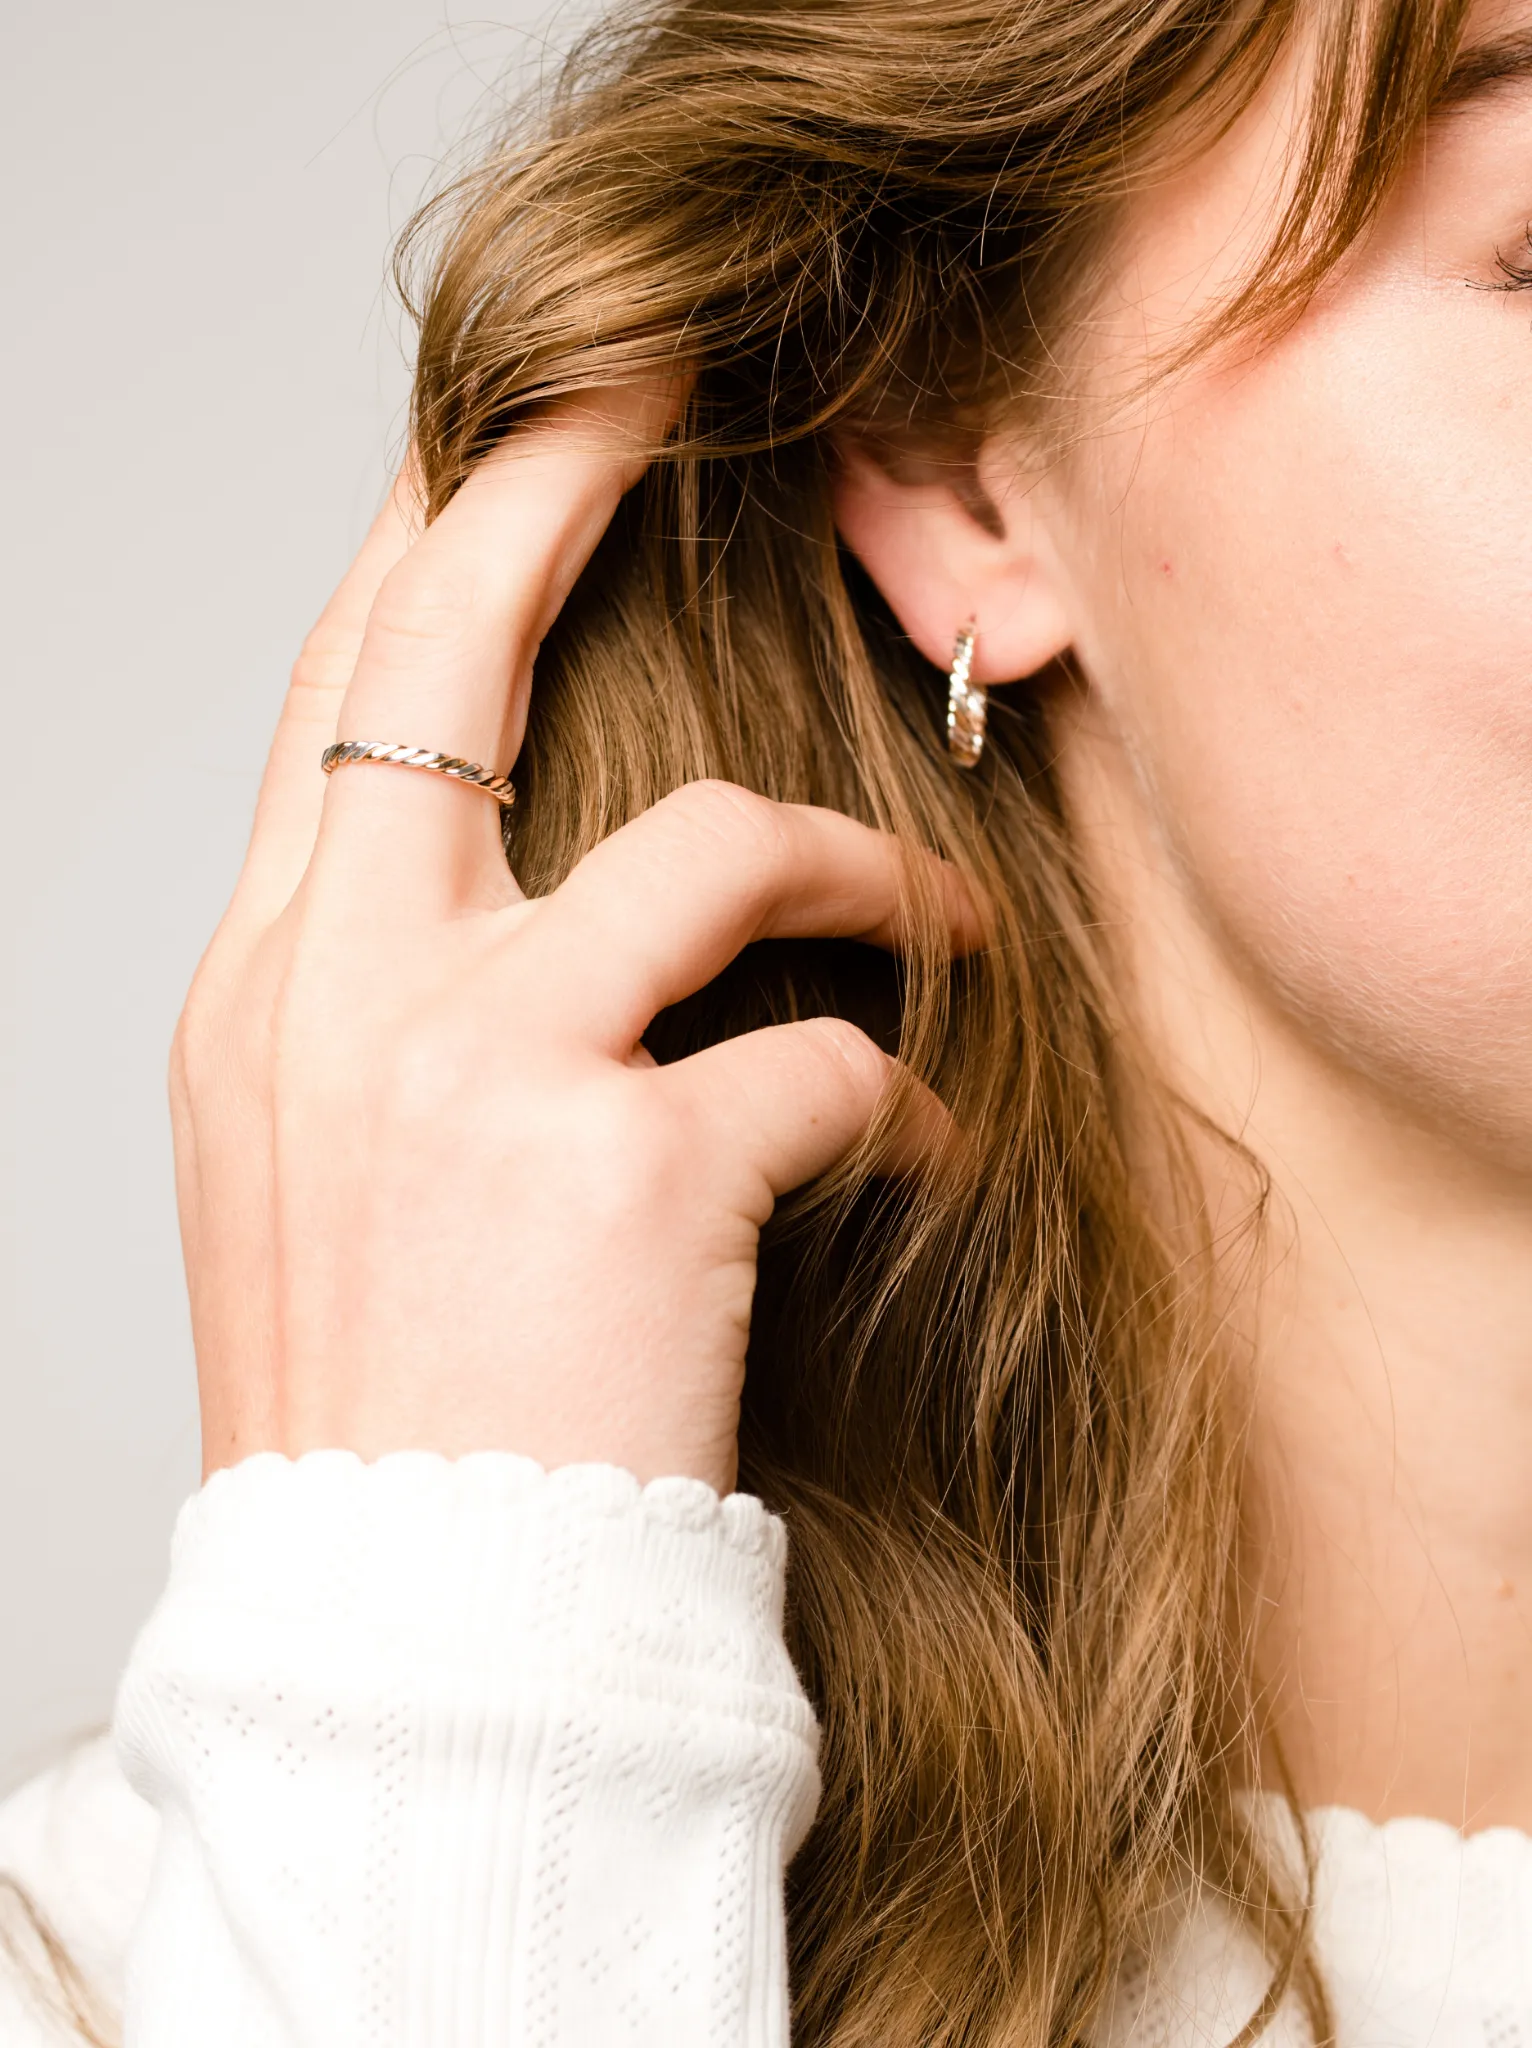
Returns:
<point x="1301" y="586"/>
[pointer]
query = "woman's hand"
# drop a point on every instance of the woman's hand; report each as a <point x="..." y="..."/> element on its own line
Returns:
<point x="433" y="1192"/>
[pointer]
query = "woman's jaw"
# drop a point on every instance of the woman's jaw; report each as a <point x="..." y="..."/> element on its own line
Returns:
<point x="1293" y="579"/>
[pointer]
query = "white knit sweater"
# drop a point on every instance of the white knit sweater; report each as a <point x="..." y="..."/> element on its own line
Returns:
<point x="465" y="1755"/>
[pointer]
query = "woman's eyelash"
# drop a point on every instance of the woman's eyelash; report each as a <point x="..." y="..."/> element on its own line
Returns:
<point x="1514" y="266"/>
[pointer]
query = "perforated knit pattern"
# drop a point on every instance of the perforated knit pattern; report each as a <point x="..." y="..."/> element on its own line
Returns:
<point x="466" y="1753"/>
<point x="471" y="1756"/>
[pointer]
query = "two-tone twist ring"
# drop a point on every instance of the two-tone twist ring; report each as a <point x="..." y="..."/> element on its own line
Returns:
<point x="344" y="752"/>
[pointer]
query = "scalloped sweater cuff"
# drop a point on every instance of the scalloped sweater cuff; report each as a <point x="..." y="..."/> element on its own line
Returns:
<point x="466" y="1752"/>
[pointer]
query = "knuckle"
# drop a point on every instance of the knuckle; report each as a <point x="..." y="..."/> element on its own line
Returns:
<point x="421" y="603"/>
<point x="186" y="1060"/>
<point x="845" y="1047"/>
<point x="324" y="664"/>
<point x="737" y="819"/>
<point x="195" y="1021"/>
<point x="218" y="1045"/>
<point x="719" y="806"/>
<point x="200" y="1033"/>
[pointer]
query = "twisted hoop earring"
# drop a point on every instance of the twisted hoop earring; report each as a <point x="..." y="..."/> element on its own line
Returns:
<point x="966" y="703"/>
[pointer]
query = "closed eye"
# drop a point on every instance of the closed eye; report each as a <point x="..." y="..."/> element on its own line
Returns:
<point x="1513" y="267"/>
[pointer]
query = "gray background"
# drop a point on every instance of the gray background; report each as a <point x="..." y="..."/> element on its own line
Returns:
<point x="204" y="379"/>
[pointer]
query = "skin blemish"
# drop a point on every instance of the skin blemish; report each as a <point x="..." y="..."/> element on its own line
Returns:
<point x="1166" y="570"/>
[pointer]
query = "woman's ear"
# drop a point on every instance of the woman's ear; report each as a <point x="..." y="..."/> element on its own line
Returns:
<point x="944" y="549"/>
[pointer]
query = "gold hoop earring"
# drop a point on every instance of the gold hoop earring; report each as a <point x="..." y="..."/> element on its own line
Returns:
<point x="966" y="703"/>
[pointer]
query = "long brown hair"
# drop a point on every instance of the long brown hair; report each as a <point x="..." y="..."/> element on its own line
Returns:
<point x="62" y="1994"/>
<point x="996" y="1409"/>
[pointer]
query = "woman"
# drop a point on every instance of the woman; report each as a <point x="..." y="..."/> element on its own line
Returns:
<point x="1137" y="1397"/>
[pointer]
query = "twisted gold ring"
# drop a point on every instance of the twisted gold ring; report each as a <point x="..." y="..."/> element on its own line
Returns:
<point x="500" y="787"/>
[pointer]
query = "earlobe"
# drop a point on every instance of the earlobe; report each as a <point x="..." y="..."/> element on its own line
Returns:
<point x="939" y="565"/>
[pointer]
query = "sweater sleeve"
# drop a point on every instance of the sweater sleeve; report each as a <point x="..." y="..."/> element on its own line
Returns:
<point x="465" y="1753"/>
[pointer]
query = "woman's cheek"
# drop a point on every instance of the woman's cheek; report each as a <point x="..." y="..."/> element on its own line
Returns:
<point x="1295" y="616"/>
